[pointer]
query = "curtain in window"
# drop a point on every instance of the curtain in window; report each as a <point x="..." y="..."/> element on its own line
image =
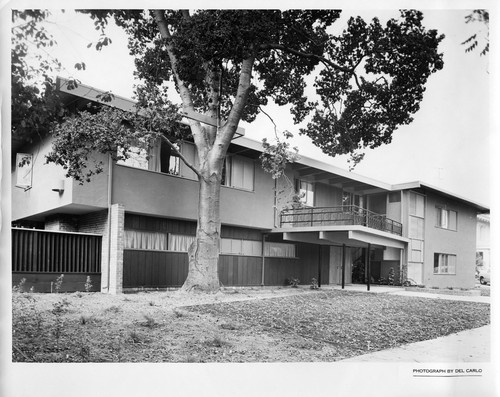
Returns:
<point x="417" y="205"/>
<point x="240" y="172"/>
<point x="279" y="250"/>
<point x="189" y="152"/>
<point x="154" y="160"/>
<point x="232" y="246"/>
<point x="145" y="240"/>
<point x="179" y="242"/>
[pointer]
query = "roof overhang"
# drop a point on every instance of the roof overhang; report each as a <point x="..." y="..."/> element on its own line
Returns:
<point x="352" y="236"/>
<point x="481" y="208"/>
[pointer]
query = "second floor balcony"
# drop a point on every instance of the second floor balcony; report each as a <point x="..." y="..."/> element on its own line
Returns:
<point x="338" y="216"/>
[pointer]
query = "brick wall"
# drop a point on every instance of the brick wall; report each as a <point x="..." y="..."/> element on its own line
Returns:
<point x="116" y="252"/>
<point x="62" y="222"/>
<point x="94" y="222"/>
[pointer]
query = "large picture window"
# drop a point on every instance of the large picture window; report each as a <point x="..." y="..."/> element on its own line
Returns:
<point x="445" y="264"/>
<point x="232" y="246"/>
<point x="446" y="219"/>
<point x="141" y="240"/>
<point x="283" y="250"/>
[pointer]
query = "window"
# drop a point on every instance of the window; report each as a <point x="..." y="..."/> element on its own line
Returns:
<point x="137" y="157"/>
<point x="416" y="230"/>
<point x="180" y="242"/>
<point x="350" y="199"/>
<point x="394" y="197"/>
<point x="134" y="239"/>
<point x="417" y="251"/>
<point x="161" y="157"/>
<point x="446" y="219"/>
<point x="232" y="246"/>
<point x="24" y="167"/>
<point x="417" y="203"/>
<point x="445" y="264"/>
<point x="306" y="192"/>
<point x="283" y="250"/>
<point x="239" y="172"/>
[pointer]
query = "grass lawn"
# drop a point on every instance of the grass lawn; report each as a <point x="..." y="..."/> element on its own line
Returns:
<point x="247" y="326"/>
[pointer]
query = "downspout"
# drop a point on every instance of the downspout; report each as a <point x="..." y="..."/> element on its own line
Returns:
<point x="110" y="190"/>
<point x="404" y="250"/>
<point x="276" y="204"/>
<point x="368" y="269"/>
<point x="343" y="265"/>
<point x="263" y="258"/>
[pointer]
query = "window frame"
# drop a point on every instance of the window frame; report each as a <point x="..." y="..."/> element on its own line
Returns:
<point x="439" y="258"/>
<point x="304" y="200"/>
<point x="445" y="222"/>
<point x="231" y="166"/>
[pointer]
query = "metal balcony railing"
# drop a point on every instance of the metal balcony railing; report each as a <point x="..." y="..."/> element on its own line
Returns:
<point x="335" y="216"/>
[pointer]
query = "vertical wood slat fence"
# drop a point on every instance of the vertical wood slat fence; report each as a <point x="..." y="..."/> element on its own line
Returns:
<point x="44" y="251"/>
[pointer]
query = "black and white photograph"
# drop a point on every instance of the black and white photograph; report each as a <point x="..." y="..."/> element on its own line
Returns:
<point x="256" y="199"/>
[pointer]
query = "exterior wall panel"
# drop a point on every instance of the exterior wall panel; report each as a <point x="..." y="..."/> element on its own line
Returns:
<point x="163" y="195"/>
<point x="461" y="243"/>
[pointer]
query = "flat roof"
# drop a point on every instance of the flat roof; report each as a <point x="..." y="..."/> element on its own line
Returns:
<point x="91" y="94"/>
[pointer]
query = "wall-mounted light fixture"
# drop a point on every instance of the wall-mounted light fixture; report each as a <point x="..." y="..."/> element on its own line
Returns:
<point x="58" y="186"/>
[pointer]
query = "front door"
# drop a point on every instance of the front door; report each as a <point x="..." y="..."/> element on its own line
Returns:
<point x="336" y="265"/>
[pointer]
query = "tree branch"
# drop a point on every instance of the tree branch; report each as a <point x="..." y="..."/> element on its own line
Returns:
<point x="184" y="92"/>
<point x="319" y="58"/>
<point x="240" y="101"/>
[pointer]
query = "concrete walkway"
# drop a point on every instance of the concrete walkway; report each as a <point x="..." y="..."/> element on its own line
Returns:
<point x="466" y="346"/>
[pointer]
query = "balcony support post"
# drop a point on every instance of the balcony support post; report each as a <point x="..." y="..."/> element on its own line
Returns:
<point x="319" y="266"/>
<point x="368" y="270"/>
<point x="343" y="265"/>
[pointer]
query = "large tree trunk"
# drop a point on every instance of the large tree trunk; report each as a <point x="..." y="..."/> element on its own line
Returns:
<point x="204" y="252"/>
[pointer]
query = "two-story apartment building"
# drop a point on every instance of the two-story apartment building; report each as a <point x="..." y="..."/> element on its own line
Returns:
<point x="141" y="218"/>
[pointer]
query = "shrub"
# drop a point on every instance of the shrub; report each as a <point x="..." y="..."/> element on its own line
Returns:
<point x="58" y="311"/>
<point x="88" y="284"/>
<point x="150" y="321"/>
<point x="135" y="337"/>
<point x="85" y="319"/>
<point x="113" y="309"/>
<point x="215" y="342"/>
<point x="293" y="282"/>
<point x="314" y="284"/>
<point x="58" y="283"/>
<point x="20" y="286"/>
<point x="390" y="276"/>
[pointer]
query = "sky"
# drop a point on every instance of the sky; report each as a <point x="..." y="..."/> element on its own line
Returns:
<point x="447" y="145"/>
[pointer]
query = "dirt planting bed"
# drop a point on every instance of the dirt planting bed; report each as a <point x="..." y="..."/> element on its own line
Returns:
<point x="283" y="325"/>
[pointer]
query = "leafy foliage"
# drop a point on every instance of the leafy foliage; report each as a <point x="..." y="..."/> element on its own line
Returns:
<point x="371" y="78"/>
<point x="276" y="156"/>
<point x="482" y="16"/>
<point x="35" y="103"/>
